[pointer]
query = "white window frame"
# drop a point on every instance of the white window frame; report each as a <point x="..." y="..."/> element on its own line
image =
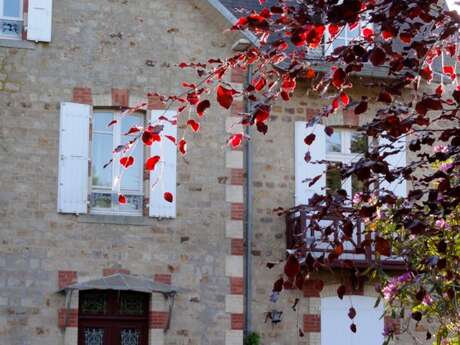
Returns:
<point x="117" y="169"/>
<point x="345" y="156"/>
<point x="19" y="19"/>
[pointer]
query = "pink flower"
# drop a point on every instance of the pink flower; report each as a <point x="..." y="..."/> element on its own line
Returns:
<point x="440" y="149"/>
<point x="391" y="289"/>
<point x="441" y="224"/>
<point x="445" y="166"/>
<point x="427" y="300"/>
<point x="357" y="198"/>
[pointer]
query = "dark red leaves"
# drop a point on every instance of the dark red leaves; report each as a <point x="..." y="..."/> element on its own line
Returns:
<point x="368" y="34"/>
<point x="353" y="327"/>
<point x="309" y="139"/>
<point x="202" y="106"/>
<point x="194" y="125"/>
<point x="352" y="313"/>
<point x="261" y="114"/>
<point x="377" y="56"/>
<point x="112" y="123"/>
<point x="288" y="84"/>
<point x="329" y="130"/>
<point x="278" y="285"/>
<point x="133" y="130"/>
<point x="168" y="197"/>
<point x="182" y="146"/>
<point x="427" y="73"/>
<point x="121" y="199"/>
<point x="149" y="137"/>
<point x="225" y="96"/>
<point x="382" y="246"/>
<point x="361" y="107"/>
<point x="385" y="97"/>
<point x="341" y="291"/>
<point x="338" y="78"/>
<point x="405" y="37"/>
<point x="126" y="162"/>
<point x="151" y="162"/>
<point x="292" y="267"/>
<point x="170" y="137"/>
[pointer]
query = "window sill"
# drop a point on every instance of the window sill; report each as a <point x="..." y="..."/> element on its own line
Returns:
<point x="16" y="44"/>
<point x="115" y="219"/>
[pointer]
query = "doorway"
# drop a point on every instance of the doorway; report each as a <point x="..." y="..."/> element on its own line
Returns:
<point x="107" y="317"/>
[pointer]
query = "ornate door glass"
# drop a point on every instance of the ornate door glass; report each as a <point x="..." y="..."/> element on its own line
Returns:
<point x="94" y="304"/>
<point x="131" y="305"/>
<point x="130" y="336"/>
<point x="94" y="336"/>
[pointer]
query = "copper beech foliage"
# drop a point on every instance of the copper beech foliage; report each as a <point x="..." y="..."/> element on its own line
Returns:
<point x="414" y="46"/>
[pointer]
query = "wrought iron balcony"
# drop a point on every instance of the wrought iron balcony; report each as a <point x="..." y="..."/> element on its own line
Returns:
<point x="323" y="233"/>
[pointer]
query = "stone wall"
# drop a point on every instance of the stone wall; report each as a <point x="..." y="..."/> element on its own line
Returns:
<point x="102" y="49"/>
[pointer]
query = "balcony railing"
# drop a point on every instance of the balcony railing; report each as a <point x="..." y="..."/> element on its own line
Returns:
<point x="321" y="233"/>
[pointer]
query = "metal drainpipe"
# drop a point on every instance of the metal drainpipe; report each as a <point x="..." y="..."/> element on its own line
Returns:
<point x="248" y="219"/>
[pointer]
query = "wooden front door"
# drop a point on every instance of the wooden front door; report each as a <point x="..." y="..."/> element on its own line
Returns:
<point x="113" y="318"/>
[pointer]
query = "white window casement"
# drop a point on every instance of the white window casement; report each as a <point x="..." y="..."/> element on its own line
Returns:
<point x="335" y="323"/>
<point x="97" y="191"/>
<point x="11" y="19"/>
<point x="344" y="146"/>
<point x="107" y="183"/>
<point x="35" y="20"/>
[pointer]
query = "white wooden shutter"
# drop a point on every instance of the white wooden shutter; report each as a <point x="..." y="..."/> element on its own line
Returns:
<point x="163" y="177"/>
<point x="397" y="160"/>
<point x="73" y="158"/>
<point x="39" y="20"/>
<point x="304" y="170"/>
<point x="335" y="323"/>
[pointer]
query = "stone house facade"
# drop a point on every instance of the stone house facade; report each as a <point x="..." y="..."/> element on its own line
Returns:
<point x="178" y="268"/>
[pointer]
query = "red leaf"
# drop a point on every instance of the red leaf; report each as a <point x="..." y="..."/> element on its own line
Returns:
<point x="149" y="138"/>
<point x="278" y="285"/>
<point x="333" y="30"/>
<point x="405" y="37"/>
<point x="235" y="140"/>
<point x="132" y="130"/>
<point x="377" y="56"/>
<point x="335" y="104"/>
<point x="309" y="139"/>
<point x="329" y="130"/>
<point x="202" y="106"/>
<point x="225" y="96"/>
<point x="172" y="138"/>
<point x="259" y="84"/>
<point x="126" y="162"/>
<point x="352" y="313"/>
<point x="353" y="328"/>
<point x="151" y="162"/>
<point x="112" y="123"/>
<point x="344" y="98"/>
<point x="121" y="199"/>
<point x="387" y="35"/>
<point x="285" y="96"/>
<point x="449" y="70"/>
<point x="262" y="113"/>
<point x="288" y="84"/>
<point x="168" y="197"/>
<point x="193" y="98"/>
<point x="182" y="146"/>
<point x="382" y="246"/>
<point x="368" y="34"/>
<point x="427" y="73"/>
<point x="341" y="291"/>
<point x="439" y="90"/>
<point x="385" y="97"/>
<point x="194" y="125"/>
<point x="310" y="73"/>
<point x="292" y="267"/>
<point x="338" y="78"/>
<point x="361" y="107"/>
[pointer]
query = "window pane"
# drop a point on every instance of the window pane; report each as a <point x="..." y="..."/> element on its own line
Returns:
<point x="334" y="142"/>
<point x="12" y="8"/>
<point x="333" y="180"/>
<point x="357" y="185"/>
<point x="132" y="177"/>
<point x="133" y="204"/>
<point x="358" y="143"/>
<point x="101" y="121"/>
<point x="102" y="153"/>
<point x="101" y="200"/>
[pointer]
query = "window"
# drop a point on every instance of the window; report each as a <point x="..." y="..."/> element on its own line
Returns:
<point x="343" y="147"/>
<point x="11" y="19"/>
<point x="107" y="183"/>
<point x="335" y="323"/>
